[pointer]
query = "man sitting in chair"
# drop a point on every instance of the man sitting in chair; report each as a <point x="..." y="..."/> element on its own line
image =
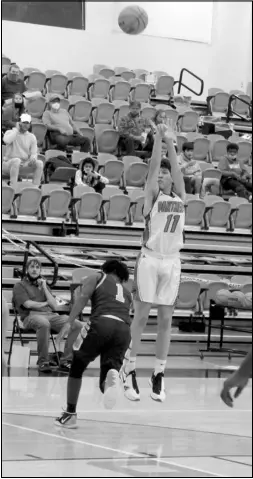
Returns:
<point x="36" y="305"/>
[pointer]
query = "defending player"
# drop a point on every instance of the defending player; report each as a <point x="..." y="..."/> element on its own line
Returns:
<point x="158" y="267"/>
<point x="108" y="336"/>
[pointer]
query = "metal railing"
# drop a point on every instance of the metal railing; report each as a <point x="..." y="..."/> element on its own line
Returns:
<point x="231" y="112"/>
<point x="181" y="84"/>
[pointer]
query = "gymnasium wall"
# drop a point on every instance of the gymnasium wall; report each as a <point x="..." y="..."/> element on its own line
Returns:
<point x="225" y="62"/>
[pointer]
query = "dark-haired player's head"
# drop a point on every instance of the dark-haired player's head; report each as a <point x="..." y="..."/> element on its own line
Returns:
<point x="187" y="149"/>
<point x="117" y="268"/>
<point x="232" y="151"/>
<point x="33" y="269"/>
<point x="88" y="166"/>
<point x="164" y="177"/>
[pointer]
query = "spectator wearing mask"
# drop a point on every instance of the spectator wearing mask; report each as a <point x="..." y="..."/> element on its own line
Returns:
<point x="36" y="306"/>
<point x="235" y="176"/>
<point x="21" y="151"/>
<point x="12" y="83"/>
<point x="62" y="130"/>
<point x="190" y="168"/>
<point x="87" y="175"/>
<point x="11" y="113"/>
<point x="136" y="132"/>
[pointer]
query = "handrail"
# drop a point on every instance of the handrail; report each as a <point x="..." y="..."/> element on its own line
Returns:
<point x="41" y="250"/>
<point x="231" y="99"/>
<point x="180" y="82"/>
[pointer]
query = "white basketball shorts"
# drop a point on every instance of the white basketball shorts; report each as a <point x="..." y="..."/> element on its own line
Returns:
<point x="157" y="278"/>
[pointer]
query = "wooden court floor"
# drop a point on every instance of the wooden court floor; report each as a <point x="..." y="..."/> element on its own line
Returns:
<point x="192" y="434"/>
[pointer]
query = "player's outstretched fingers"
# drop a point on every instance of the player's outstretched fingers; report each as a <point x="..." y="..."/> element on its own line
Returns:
<point x="226" y="397"/>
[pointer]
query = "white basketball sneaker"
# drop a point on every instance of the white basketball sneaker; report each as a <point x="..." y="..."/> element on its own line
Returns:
<point x="158" y="387"/>
<point x="112" y="386"/>
<point x="131" y="388"/>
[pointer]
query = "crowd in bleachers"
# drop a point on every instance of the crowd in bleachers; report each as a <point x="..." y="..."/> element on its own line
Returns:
<point x="98" y="132"/>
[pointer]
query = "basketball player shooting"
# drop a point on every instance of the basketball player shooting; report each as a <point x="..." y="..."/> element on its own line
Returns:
<point x="108" y="335"/>
<point x="158" y="267"/>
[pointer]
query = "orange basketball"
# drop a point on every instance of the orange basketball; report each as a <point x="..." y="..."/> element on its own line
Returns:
<point x="133" y="20"/>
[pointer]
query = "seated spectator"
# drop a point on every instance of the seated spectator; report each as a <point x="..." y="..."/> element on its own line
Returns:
<point x="36" y="305"/>
<point x="12" y="83"/>
<point x="190" y="169"/>
<point x="87" y="175"/>
<point x="21" y="151"/>
<point x="11" y="113"/>
<point x="62" y="130"/>
<point x="235" y="176"/>
<point x="136" y="136"/>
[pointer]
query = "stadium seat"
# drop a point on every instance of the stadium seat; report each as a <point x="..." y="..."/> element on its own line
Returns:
<point x="122" y="111"/>
<point x="247" y="288"/>
<point x="78" y="156"/>
<point x="28" y="203"/>
<point x="141" y="73"/>
<point x="6" y="60"/>
<point x="140" y="92"/>
<point x="116" y="207"/>
<point x="210" y="294"/>
<point x="189" y="121"/>
<point x="53" y="154"/>
<point x="98" y="67"/>
<point x="113" y="170"/>
<point x="63" y="175"/>
<point x="80" y="109"/>
<point x="120" y="91"/>
<point x="79" y="190"/>
<point x="236" y="92"/>
<point x="217" y="212"/>
<point x="148" y="111"/>
<point x="136" y="206"/>
<point x="241" y="213"/>
<point x="119" y="70"/>
<point x="164" y="87"/>
<point x="57" y="83"/>
<point x="77" y="84"/>
<point x="50" y="73"/>
<point x="35" y="80"/>
<point x="213" y="91"/>
<point x="7" y="199"/>
<point x="127" y="75"/>
<point x="218" y="150"/>
<point x="102" y="158"/>
<point x="210" y="277"/>
<point x="135" y="174"/>
<point x="87" y="131"/>
<point x="245" y="150"/>
<point x="201" y="149"/>
<point x="103" y="113"/>
<point x="35" y="107"/>
<point x="238" y="279"/>
<point x="87" y="207"/>
<point x="40" y="131"/>
<point x="128" y="160"/>
<point x="193" y="135"/>
<point x="181" y="139"/>
<point x="92" y="78"/>
<point x="214" y="137"/>
<point x="219" y="103"/>
<point x="106" y="72"/>
<point x="135" y="81"/>
<point x="159" y="73"/>
<point x="240" y="107"/>
<point x="195" y="209"/>
<point x="99" y="89"/>
<point x="55" y="202"/>
<point x="188" y="295"/>
<point x="106" y="139"/>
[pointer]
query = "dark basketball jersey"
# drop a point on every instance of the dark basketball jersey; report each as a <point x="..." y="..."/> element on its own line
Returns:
<point x="111" y="299"/>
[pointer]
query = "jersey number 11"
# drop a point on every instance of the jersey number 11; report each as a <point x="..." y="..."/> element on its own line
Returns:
<point x="175" y="221"/>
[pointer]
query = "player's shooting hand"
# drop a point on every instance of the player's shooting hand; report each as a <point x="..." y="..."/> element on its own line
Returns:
<point x="162" y="129"/>
<point x="234" y="381"/>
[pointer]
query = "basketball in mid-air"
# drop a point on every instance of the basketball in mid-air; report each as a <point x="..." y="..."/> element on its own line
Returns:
<point x="133" y="20"/>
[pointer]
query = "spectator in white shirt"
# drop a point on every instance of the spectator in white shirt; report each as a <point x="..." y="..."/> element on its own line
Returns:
<point x="21" y="151"/>
<point x="87" y="175"/>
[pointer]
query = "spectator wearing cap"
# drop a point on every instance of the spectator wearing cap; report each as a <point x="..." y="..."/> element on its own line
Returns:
<point x="21" y="151"/>
<point x="86" y="175"/>
<point x="62" y="130"/>
<point x="36" y="306"/>
<point x="235" y="176"/>
<point x="136" y="133"/>
<point x="11" y="113"/>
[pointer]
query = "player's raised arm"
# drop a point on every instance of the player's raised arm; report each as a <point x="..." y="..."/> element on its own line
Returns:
<point x="176" y="174"/>
<point x="155" y="161"/>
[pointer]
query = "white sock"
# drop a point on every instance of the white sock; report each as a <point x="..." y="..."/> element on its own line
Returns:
<point x="160" y="366"/>
<point x="131" y="365"/>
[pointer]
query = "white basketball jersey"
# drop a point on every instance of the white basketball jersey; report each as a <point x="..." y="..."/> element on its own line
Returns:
<point x="164" y="225"/>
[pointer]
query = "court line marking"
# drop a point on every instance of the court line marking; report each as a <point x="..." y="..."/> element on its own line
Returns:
<point x="158" y="426"/>
<point x="106" y="448"/>
<point x="233" y="461"/>
<point x="120" y="411"/>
